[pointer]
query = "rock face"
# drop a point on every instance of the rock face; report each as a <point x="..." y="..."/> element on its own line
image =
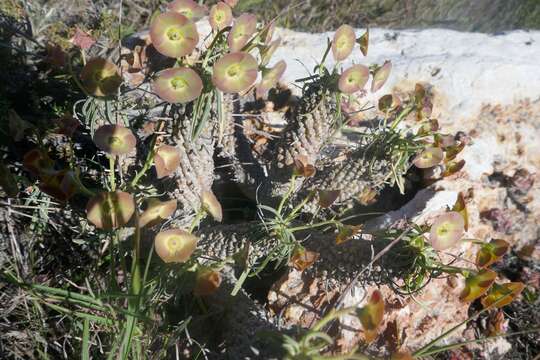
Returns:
<point x="487" y="87"/>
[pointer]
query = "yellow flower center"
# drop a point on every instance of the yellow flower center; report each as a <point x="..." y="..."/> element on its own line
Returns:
<point x="178" y="83"/>
<point x="175" y="34"/>
<point x="115" y="141"/>
<point x="233" y="70"/>
<point x="174" y="244"/>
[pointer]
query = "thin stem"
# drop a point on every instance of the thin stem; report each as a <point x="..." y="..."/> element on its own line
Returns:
<point x="426" y="348"/>
<point x="112" y="180"/>
<point x="198" y="217"/>
<point x="287" y="195"/>
<point x="475" y="341"/>
<point x="149" y="158"/>
<point x="307" y="227"/>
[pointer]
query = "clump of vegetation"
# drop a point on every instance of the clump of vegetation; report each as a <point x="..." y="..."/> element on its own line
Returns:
<point x="120" y="165"/>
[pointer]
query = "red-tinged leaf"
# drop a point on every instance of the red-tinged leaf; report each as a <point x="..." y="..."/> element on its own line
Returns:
<point x="61" y="185"/>
<point x="207" y="282"/>
<point x="476" y="285"/>
<point x="347" y="232"/>
<point x="502" y="294"/>
<point x="461" y="208"/>
<point x="419" y="93"/>
<point x="428" y="127"/>
<point x="389" y="102"/>
<point x="302" y="167"/>
<point x="82" y="39"/>
<point x="368" y="196"/>
<point x="371" y="315"/>
<point x="363" y="41"/>
<point x="491" y="252"/>
<point x="452" y="151"/>
<point x="328" y="197"/>
<point x="302" y="258"/>
<point x="453" y="167"/>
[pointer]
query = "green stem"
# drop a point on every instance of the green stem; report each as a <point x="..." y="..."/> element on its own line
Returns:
<point x="149" y="159"/>
<point x="451" y="269"/>
<point x="135" y="290"/>
<point x="475" y="341"/>
<point x="307" y="227"/>
<point x="112" y="180"/>
<point x="287" y="195"/>
<point x="198" y="217"/>
<point x="326" y="52"/>
<point x="333" y="314"/>
<point x="401" y="116"/>
<point x="300" y="206"/>
<point x="422" y="351"/>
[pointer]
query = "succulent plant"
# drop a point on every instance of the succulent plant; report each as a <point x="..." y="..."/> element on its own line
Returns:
<point x="114" y="139"/>
<point x="173" y="34"/>
<point x="207" y="282"/>
<point x="211" y="205"/>
<point x="235" y="72"/>
<point x="175" y="245"/>
<point x="477" y="284"/>
<point x="166" y="160"/>
<point x="156" y="212"/>
<point x="110" y="210"/>
<point x="100" y="77"/>
<point x="353" y="79"/>
<point x="178" y="85"/>
<point x="188" y="8"/>
<point x="243" y="29"/>
<point x="343" y="43"/>
<point x="220" y="16"/>
<point x="447" y="230"/>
